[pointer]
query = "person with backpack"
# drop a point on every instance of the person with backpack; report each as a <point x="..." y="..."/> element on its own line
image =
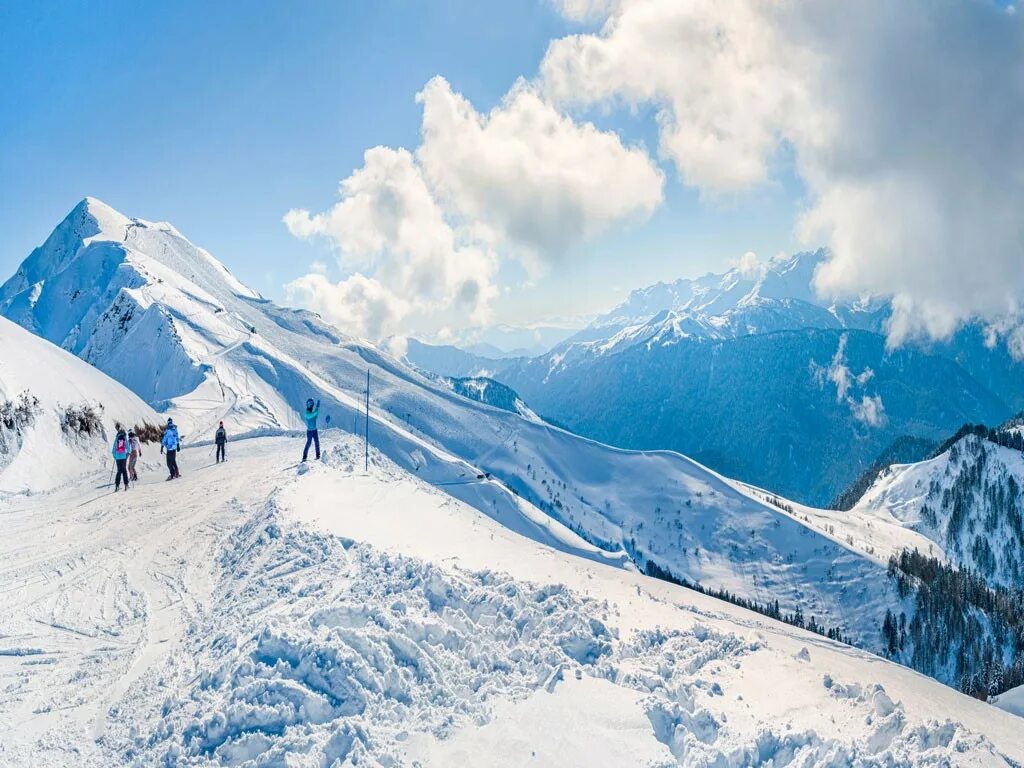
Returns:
<point x="121" y="449"/>
<point x="312" y="435"/>
<point x="172" y="444"/>
<point x="221" y="440"/>
<point x="134" y="452"/>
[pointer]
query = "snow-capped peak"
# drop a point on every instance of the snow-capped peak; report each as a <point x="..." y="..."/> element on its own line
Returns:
<point x="751" y="298"/>
<point x="109" y="221"/>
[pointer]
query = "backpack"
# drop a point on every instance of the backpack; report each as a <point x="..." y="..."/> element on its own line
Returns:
<point x="122" y="444"/>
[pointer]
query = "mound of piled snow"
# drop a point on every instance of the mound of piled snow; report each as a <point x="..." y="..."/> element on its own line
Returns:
<point x="56" y="413"/>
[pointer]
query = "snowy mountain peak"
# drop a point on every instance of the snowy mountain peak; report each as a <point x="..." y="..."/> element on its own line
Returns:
<point x="752" y="298"/>
<point x="90" y="219"/>
<point x="134" y="298"/>
<point x="109" y="221"/>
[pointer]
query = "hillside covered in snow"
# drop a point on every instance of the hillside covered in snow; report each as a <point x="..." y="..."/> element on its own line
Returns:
<point x="57" y="414"/>
<point x="203" y="347"/>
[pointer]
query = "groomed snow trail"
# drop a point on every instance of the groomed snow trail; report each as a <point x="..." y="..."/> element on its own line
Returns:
<point x="258" y="613"/>
<point x="98" y="585"/>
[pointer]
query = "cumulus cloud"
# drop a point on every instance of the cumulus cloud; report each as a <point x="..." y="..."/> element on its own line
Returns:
<point x="715" y="68"/>
<point x="749" y="266"/>
<point x="902" y="120"/>
<point x="585" y="10"/>
<point x="360" y="305"/>
<point x="528" y="174"/>
<point x="425" y="229"/>
<point x="388" y="224"/>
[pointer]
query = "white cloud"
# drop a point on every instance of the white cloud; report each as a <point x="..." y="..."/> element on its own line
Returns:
<point x="389" y="225"/>
<point x="870" y="411"/>
<point x="585" y="10"/>
<point x="865" y="408"/>
<point x="749" y="266"/>
<point x="359" y="305"/>
<point x="715" y="68"/>
<point x="424" y="230"/>
<point x="528" y="175"/>
<point x="902" y="119"/>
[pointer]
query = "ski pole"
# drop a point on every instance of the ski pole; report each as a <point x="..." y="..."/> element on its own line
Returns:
<point x="111" y="475"/>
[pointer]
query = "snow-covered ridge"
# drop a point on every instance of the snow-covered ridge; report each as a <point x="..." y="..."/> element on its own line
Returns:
<point x="491" y="392"/>
<point x="171" y="324"/>
<point x="968" y="501"/>
<point x="756" y="298"/>
<point x="282" y="678"/>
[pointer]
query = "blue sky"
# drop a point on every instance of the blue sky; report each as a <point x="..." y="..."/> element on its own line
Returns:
<point x="220" y="117"/>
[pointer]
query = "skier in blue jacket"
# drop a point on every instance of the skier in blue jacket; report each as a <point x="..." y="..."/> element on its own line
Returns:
<point x="120" y="450"/>
<point x="170" y="445"/>
<point x="312" y="436"/>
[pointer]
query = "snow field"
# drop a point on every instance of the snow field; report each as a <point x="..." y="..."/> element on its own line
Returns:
<point x="334" y="655"/>
<point x="263" y="614"/>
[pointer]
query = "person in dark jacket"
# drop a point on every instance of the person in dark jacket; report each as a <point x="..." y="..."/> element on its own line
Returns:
<point x="312" y="435"/>
<point x="121" y="449"/>
<point x="170" y="445"/>
<point x="221" y="440"/>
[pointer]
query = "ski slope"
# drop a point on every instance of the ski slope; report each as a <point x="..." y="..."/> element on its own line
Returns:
<point x="41" y="451"/>
<point x="260" y="612"/>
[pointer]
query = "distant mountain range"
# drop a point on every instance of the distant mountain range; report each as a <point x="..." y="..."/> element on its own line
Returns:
<point x="753" y="374"/>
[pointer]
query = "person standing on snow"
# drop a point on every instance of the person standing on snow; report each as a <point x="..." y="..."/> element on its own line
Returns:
<point x="312" y="436"/>
<point x="134" y="452"/>
<point x="171" y="443"/>
<point x="221" y="439"/>
<point x="121" y="449"/>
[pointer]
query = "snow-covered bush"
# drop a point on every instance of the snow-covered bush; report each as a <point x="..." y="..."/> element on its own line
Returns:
<point x="15" y="416"/>
<point x="84" y="420"/>
<point x="148" y="433"/>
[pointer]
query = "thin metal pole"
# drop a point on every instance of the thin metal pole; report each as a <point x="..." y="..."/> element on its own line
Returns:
<point x="366" y="433"/>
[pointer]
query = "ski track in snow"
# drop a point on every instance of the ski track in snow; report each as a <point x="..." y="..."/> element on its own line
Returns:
<point x="255" y="613"/>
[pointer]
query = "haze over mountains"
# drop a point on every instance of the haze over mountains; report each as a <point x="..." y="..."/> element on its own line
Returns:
<point x="755" y="375"/>
<point x="277" y="582"/>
